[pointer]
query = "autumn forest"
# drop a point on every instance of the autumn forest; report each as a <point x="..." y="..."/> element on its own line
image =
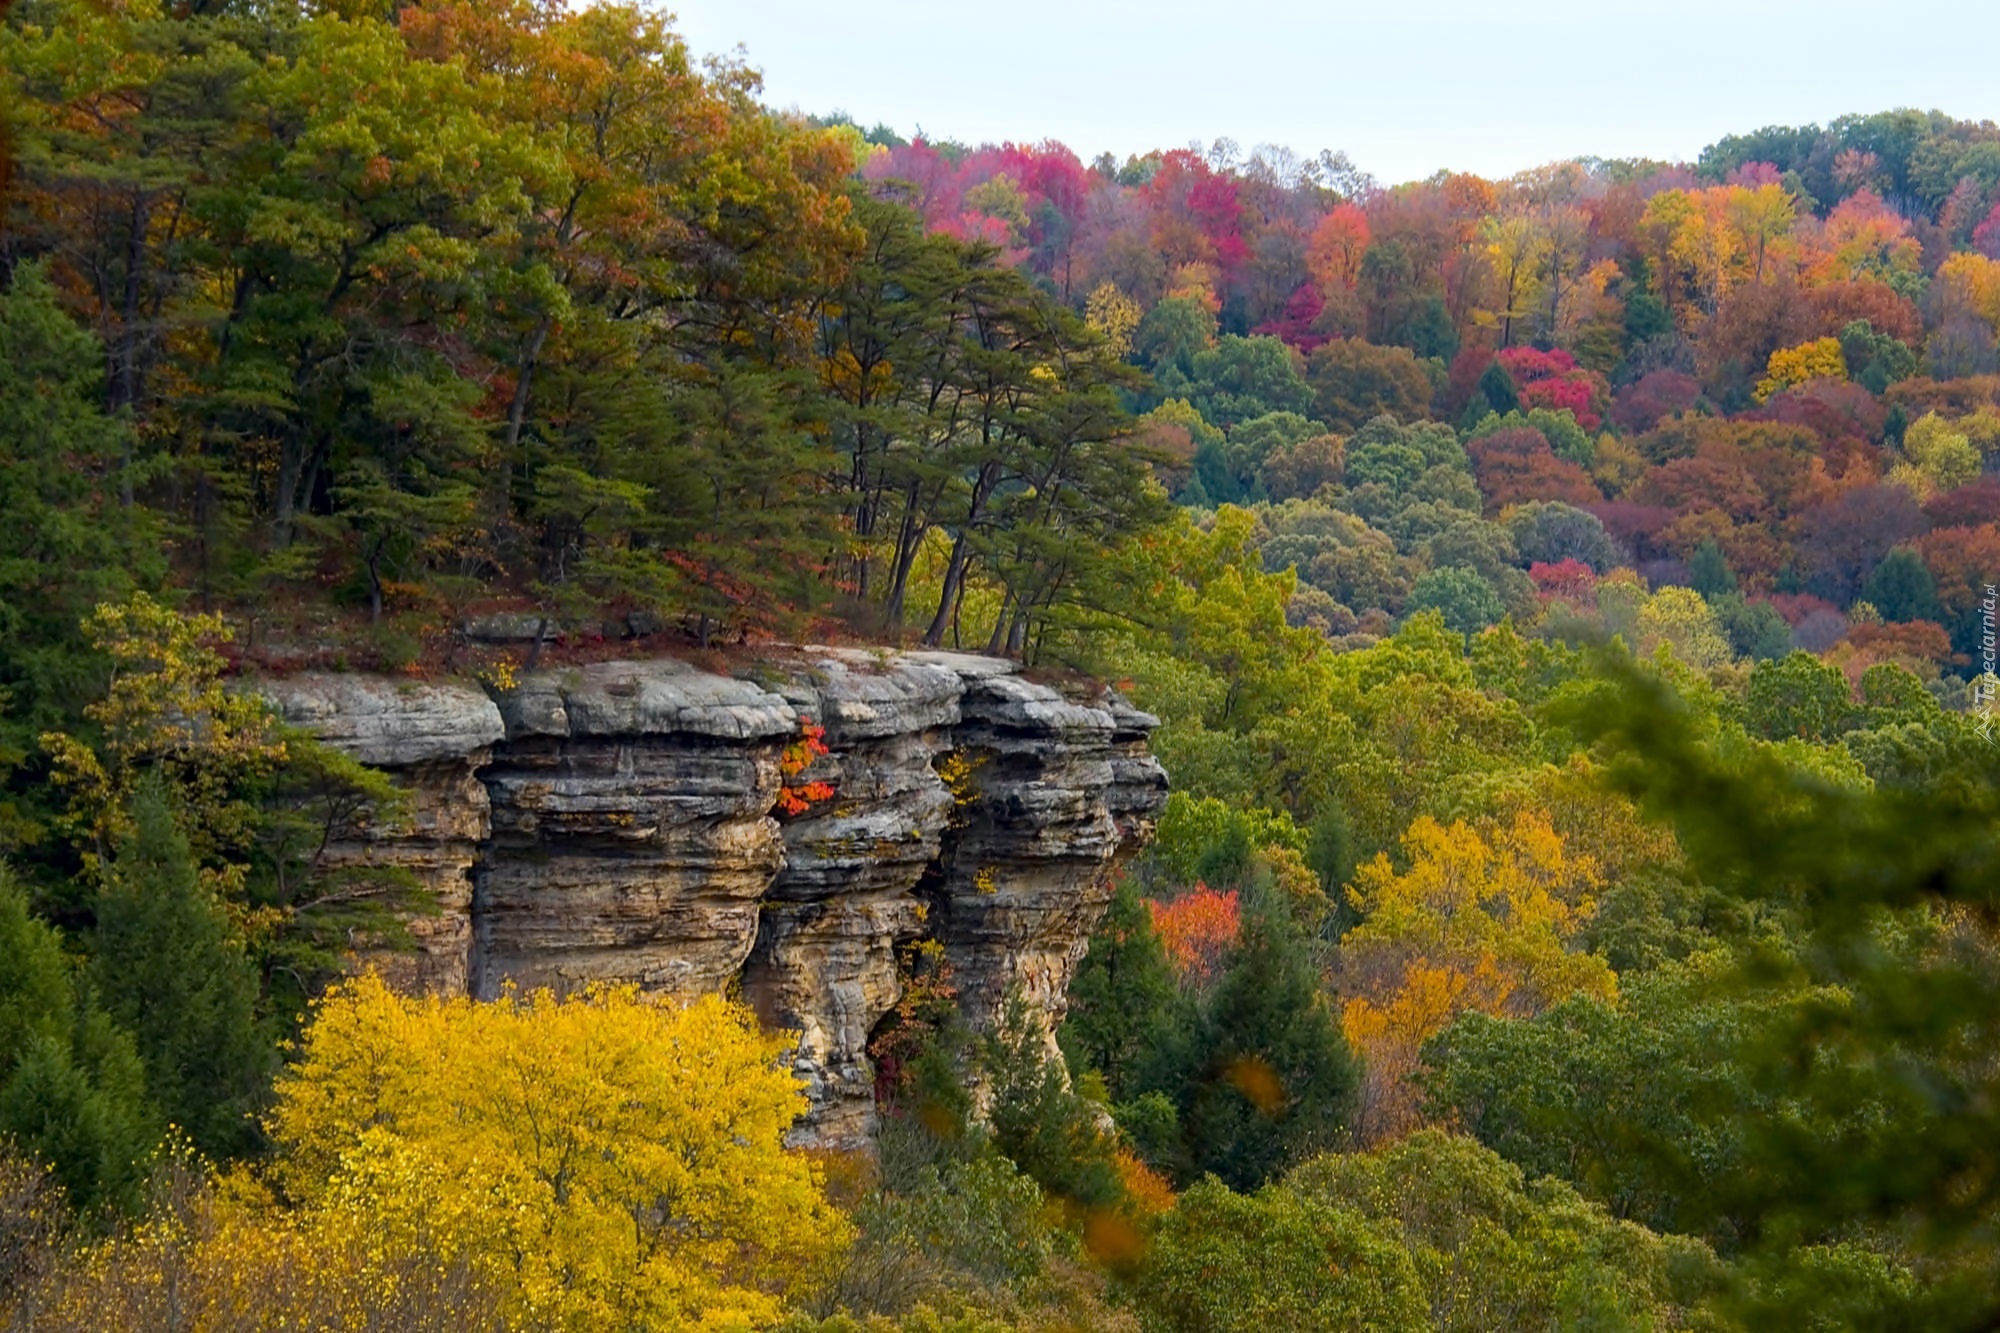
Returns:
<point x="1567" y="602"/>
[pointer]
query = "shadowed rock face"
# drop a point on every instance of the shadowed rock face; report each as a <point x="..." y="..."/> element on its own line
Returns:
<point x="622" y="822"/>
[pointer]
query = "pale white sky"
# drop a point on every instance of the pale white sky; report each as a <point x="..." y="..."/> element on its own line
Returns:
<point x="1405" y="86"/>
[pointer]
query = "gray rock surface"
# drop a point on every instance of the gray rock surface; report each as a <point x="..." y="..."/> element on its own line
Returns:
<point x="824" y="962"/>
<point x="623" y="821"/>
<point x="657" y="697"/>
<point x="384" y="722"/>
<point x="432" y="740"/>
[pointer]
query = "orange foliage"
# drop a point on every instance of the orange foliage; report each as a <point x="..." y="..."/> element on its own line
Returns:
<point x="1197" y="930"/>
<point x="1959" y="559"/>
<point x="1146" y="1190"/>
<point x="1338" y="242"/>
<point x="1863" y="237"/>
<point x="795" y="798"/>
<point x="1917" y="645"/>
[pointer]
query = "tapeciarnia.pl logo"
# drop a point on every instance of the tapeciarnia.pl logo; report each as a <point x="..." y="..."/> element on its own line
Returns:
<point x="1983" y="688"/>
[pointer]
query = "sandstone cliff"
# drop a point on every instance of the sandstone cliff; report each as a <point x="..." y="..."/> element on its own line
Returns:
<point x="622" y="821"/>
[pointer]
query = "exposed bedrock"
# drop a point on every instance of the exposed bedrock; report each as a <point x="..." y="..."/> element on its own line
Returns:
<point x="632" y="831"/>
<point x="630" y="822"/>
<point x="434" y="740"/>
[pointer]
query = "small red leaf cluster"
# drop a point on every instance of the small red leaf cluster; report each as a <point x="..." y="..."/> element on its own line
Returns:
<point x="795" y="798"/>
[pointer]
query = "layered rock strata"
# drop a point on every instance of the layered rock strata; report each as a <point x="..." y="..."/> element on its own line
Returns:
<point x="435" y="740"/>
<point x="629" y="822"/>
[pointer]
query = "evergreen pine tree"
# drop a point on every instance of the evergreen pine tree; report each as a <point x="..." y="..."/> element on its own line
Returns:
<point x="1901" y="588"/>
<point x="68" y="544"/>
<point x="1265" y="1079"/>
<point x="1039" y="1121"/>
<point x="72" y="1094"/>
<point x="1121" y="997"/>
<point x="1496" y="386"/>
<point x="167" y="969"/>
<point x="1332" y="854"/>
<point x="1709" y="572"/>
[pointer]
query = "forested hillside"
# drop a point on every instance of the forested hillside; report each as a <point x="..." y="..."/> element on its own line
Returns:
<point x="1566" y="599"/>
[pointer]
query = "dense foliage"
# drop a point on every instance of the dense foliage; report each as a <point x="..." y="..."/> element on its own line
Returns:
<point x="1566" y="599"/>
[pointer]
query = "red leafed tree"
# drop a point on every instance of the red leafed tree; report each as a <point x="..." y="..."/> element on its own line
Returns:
<point x="1567" y="580"/>
<point x="1197" y="217"/>
<point x="1516" y="465"/>
<point x="1645" y="403"/>
<point x="1845" y="417"/>
<point x="1295" y="325"/>
<point x="1634" y="525"/>
<point x="1969" y="506"/>
<point x="1986" y="236"/>
<point x="1197" y="931"/>
<point x="1553" y="380"/>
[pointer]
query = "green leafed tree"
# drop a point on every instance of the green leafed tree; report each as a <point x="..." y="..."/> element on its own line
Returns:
<point x="1901" y="588"/>
<point x="1225" y="1261"/>
<point x="72" y="1090"/>
<point x="168" y="967"/>
<point x="1121" y="996"/>
<point x="1467" y="601"/>
<point x="70" y="539"/>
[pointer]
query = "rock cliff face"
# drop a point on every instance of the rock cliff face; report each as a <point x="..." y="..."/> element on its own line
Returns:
<point x="623" y="821"/>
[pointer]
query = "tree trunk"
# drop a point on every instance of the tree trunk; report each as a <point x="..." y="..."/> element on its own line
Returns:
<point x="128" y="337"/>
<point x="998" y="639"/>
<point x="909" y="540"/>
<point x="517" y="408"/>
<point x="291" y="461"/>
<point x="954" y="581"/>
<point x="1017" y="634"/>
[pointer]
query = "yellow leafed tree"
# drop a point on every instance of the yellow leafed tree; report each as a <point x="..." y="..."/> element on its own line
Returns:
<point x="605" y="1160"/>
<point x="1113" y="314"/>
<point x="1763" y="217"/>
<point x="1970" y="283"/>
<point x="168" y="710"/>
<point x="1820" y="359"/>
<point x="1481" y="920"/>
<point x="1681" y="620"/>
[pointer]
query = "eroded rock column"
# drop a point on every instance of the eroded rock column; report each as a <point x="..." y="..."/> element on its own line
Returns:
<point x="825" y="960"/>
<point x="1059" y="789"/>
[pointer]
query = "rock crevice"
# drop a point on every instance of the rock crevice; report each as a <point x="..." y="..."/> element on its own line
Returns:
<point x="623" y="822"/>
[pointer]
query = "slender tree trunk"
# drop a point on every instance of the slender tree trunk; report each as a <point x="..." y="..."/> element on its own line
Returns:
<point x="954" y="580"/>
<point x="909" y="540"/>
<point x="291" y="461"/>
<point x="998" y="639"/>
<point x="128" y="336"/>
<point x="1017" y="634"/>
<point x="517" y="408"/>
